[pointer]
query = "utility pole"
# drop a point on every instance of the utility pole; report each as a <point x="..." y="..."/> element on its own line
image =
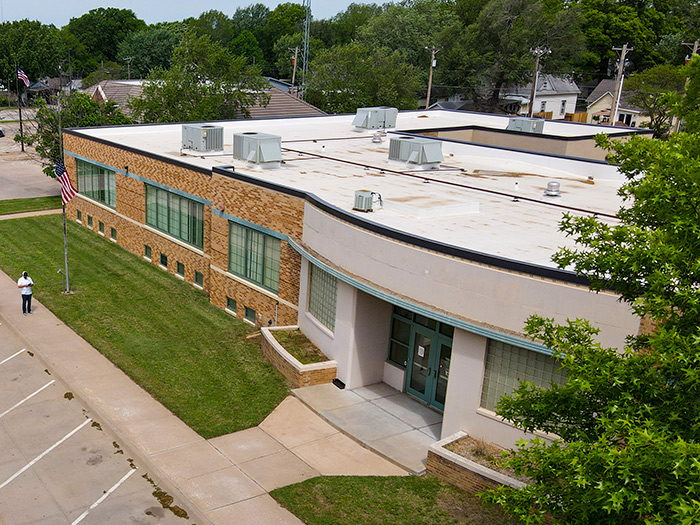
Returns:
<point x="676" y="121"/>
<point x="538" y="52"/>
<point x="618" y="85"/>
<point x="294" y="64"/>
<point x="433" y="51"/>
<point x="128" y="67"/>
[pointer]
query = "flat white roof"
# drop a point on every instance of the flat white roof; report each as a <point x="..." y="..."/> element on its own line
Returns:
<point x="469" y="202"/>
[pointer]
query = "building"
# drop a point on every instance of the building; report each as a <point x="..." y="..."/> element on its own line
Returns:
<point x="410" y="255"/>
<point x="555" y="95"/>
<point x="600" y="101"/>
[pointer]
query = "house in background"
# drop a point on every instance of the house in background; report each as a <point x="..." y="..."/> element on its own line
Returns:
<point x="600" y="101"/>
<point x="281" y="104"/>
<point x="555" y="95"/>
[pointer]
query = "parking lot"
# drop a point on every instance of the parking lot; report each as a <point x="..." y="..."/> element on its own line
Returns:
<point x="59" y="464"/>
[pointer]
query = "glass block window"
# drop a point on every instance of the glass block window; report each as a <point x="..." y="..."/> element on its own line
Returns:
<point x="254" y="256"/>
<point x="177" y="216"/>
<point x="113" y="234"/>
<point x="507" y="366"/>
<point x="323" y="293"/>
<point x="80" y="216"/>
<point x="90" y="221"/>
<point x="96" y="182"/>
<point x="198" y="278"/>
<point x="163" y="260"/>
<point x="101" y="227"/>
<point x="250" y="315"/>
<point x="180" y="269"/>
<point x="147" y="251"/>
<point x="231" y="305"/>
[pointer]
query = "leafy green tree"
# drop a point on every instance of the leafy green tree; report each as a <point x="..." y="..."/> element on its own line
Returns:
<point x="99" y="32"/>
<point x="106" y="71"/>
<point x="656" y="91"/>
<point x="148" y="49"/>
<point x="627" y="420"/>
<point x="35" y="47"/>
<point x="286" y="19"/>
<point x="250" y="18"/>
<point x="689" y="107"/>
<point x="246" y="45"/>
<point x="77" y="110"/>
<point x="204" y="82"/>
<point x="347" y="77"/>
<point x="343" y="27"/>
<point x="284" y="53"/>
<point x="215" y="24"/>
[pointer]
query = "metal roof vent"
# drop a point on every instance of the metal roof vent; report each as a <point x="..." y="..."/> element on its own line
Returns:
<point x="261" y="149"/>
<point x="552" y="189"/>
<point x="426" y="153"/>
<point x="374" y="118"/>
<point x="526" y="125"/>
<point x="202" y="137"/>
<point x="363" y="200"/>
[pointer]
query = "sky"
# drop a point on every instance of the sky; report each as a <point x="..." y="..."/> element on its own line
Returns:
<point x="59" y="12"/>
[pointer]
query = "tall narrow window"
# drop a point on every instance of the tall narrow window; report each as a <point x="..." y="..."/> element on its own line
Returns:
<point x="175" y="215"/>
<point x="254" y="256"/>
<point x="96" y="182"/>
<point x="323" y="293"/>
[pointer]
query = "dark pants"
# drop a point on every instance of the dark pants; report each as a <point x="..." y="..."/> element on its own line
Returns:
<point x="26" y="303"/>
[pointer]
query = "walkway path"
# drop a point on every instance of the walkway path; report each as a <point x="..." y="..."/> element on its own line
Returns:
<point x="224" y="480"/>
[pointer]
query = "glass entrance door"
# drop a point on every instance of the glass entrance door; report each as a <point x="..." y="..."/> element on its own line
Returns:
<point x="429" y="367"/>
<point x="420" y="370"/>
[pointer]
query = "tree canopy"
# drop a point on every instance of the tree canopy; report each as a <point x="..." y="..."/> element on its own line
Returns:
<point x="143" y="51"/>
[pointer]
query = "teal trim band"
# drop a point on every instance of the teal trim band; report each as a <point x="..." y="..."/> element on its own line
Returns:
<point x="251" y="225"/>
<point x="457" y="323"/>
<point x="139" y="178"/>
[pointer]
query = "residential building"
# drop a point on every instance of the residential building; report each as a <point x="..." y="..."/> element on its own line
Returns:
<point x="555" y="95"/>
<point x="411" y="254"/>
<point x="600" y="101"/>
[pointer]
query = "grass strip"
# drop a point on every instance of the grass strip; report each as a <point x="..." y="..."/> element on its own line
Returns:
<point x="162" y="332"/>
<point x="374" y="500"/>
<point x="10" y="206"/>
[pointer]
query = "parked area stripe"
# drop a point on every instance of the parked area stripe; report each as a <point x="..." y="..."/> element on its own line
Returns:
<point x="45" y="452"/>
<point x="13" y="355"/>
<point x="104" y="496"/>
<point x="27" y="398"/>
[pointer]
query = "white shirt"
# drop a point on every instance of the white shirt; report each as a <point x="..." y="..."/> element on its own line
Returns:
<point x="24" y="283"/>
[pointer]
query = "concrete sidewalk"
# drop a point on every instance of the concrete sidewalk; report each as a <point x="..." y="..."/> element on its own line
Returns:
<point x="224" y="480"/>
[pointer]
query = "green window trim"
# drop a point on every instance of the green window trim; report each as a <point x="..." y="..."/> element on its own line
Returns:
<point x="231" y="305"/>
<point x="178" y="216"/>
<point x="163" y="260"/>
<point x="96" y="183"/>
<point x="199" y="278"/>
<point x="89" y="221"/>
<point x="254" y="256"/>
<point x="113" y="234"/>
<point x="402" y="321"/>
<point x="180" y="269"/>
<point x="147" y="252"/>
<point x="101" y="227"/>
<point x="250" y="315"/>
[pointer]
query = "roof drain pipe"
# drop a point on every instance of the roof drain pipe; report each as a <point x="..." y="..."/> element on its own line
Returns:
<point x="277" y="305"/>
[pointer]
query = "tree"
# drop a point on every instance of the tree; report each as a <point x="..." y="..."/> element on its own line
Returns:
<point x="245" y="45"/>
<point x="688" y="108"/>
<point x="215" y="24"/>
<point x="286" y="19"/>
<point x="77" y="110"/>
<point x="626" y="420"/>
<point x="284" y="53"/>
<point x="343" y="27"/>
<point x="351" y="76"/>
<point x="106" y="71"/>
<point x="148" y="49"/>
<point x="655" y="91"/>
<point x="35" y="47"/>
<point x="204" y="82"/>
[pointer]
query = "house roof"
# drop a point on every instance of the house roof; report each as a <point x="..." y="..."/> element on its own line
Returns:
<point x="281" y="104"/>
<point x="607" y="87"/>
<point x="546" y="85"/>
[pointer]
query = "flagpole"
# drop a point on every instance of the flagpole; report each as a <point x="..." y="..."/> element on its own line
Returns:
<point x="19" y="107"/>
<point x="65" y="230"/>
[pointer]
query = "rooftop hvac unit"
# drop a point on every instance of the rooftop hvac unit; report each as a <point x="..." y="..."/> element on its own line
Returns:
<point x="202" y="137"/>
<point x="374" y="118"/>
<point x="262" y="149"/>
<point x="363" y="200"/>
<point x="526" y="125"/>
<point x="426" y="153"/>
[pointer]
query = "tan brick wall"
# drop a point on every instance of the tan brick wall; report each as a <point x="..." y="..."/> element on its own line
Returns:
<point x="267" y="208"/>
<point x="298" y="378"/>
<point x="446" y="470"/>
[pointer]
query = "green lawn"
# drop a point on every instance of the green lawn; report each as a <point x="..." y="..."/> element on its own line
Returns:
<point x="9" y="206"/>
<point x="409" y="500"/>
<point x="191" y="356"/>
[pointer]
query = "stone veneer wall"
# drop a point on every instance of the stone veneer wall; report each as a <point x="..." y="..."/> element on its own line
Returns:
<point x="299" y="375"/>
<point x="272" y="210"/>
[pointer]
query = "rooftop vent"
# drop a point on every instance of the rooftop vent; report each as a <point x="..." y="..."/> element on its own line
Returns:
<point x="363" y="200"/>
<point x="261" y="149"/>
<point x="374" y="118"/>
<point x="426" y="153"/>
<point x="552" y="189"/>
<point x="202" y="137"/>
<point x="526" y="125"/>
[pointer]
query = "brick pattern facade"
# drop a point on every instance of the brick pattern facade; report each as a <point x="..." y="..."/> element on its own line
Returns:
<point x="465" y="479"/>
<point x="298" y="378"/>
<point x="267" y="208"/>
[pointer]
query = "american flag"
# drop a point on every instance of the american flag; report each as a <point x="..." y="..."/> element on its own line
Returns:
<point x="22" y="76"/>
<point x="67" y="189"/>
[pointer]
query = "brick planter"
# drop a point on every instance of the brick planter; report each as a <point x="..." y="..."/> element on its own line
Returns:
<point x="299" y="375"/>
<point x="462" y="472"/>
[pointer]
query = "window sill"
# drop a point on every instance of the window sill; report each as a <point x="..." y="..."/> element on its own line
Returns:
<point x="230" y="312"/>
<point x="182" y="277"/>
<point x="101" y="233"/>
<point x="249" y="322"/>
<point x="198" y="286"/>
<point x="395" y="365"/>
<point x="163" y="267"/>
<point x="318" y="324"/>
<point x="113" y="240"/>
<point x="149" y="259"/>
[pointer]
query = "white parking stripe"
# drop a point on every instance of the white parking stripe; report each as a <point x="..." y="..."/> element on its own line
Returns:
<point x="29" y="465"/>
<point x="27" y="398"/>
<point x="13" y="355"/>
<point x="104" y="496"/>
